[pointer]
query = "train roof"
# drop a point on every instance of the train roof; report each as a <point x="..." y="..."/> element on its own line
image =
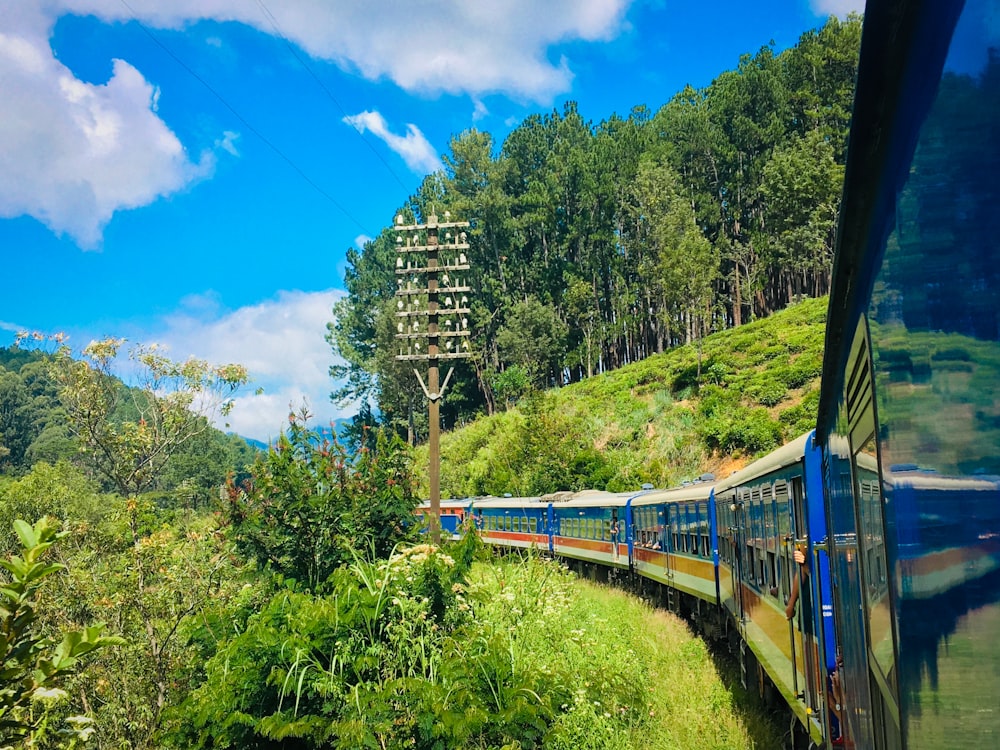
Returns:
<point x="695" y="492"/>
<point x="508" y="502"/>
<point x="787" y="455"/>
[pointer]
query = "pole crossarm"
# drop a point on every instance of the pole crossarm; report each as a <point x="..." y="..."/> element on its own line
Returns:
<point x="426" y="326"/>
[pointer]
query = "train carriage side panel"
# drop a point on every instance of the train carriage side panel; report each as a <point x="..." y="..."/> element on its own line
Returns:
<point x="680" y="555"/>
<point x="911" y="383"/>
<point x="763" y="508"/>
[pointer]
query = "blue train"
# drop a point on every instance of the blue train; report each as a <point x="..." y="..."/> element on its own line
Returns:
<point x="856" y="570"/>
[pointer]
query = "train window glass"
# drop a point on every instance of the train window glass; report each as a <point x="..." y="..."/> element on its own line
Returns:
<point x="799" y="529"/>
<point x="781" y="508"/>
<point x="532" y="525"/>
<point x="507" y="524"/>
<point x="517" y="523"/>
<point x="607" y="529"/>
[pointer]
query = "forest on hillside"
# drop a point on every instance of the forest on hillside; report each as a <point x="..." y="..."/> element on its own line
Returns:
<point x="596" y="245"/>
<point x="34" y="427"/>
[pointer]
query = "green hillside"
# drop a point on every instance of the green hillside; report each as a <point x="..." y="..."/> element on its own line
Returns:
<point x="670" y="417"/>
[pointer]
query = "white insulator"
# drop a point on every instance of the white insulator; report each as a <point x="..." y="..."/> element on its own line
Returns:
<point x="444" y="278"/>
<point x="400" y="327"/>
<point x="399" y="262"/>
<point x="448" y="322"/>
<point x="448" y="344"/>
<point x="462" y="259"/>
<point x="399" y="304"/>
<point x="465" y="322"/>
<point x="447" y="301"/>
<point x="465" y="300"/>
<point x="416" y="326"/>
<point x="465" y="345"/>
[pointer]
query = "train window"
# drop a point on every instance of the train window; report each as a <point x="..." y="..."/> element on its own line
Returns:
<point x="507" y="523"/>
<point x="772" y="571"/>
<point x="799" y="529"/>
<point x="517" y="523"/>
<point x="533" y="525"/>
<point x="606" y="524"/>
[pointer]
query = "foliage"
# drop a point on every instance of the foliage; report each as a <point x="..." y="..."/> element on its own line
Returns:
<point x="309" y="504"/>
<point x="417" y="651"/>
<point x="533" y="338"/>
<point x="130" y="434"/>
<point x="596" y="245"/>
<point x="31" y="665"/>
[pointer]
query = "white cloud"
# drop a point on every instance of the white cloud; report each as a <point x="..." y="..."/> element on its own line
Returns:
<point x="479" y="110"/>
<point x="280" y="341"/>
<point x="455" y="46"/>
<point x="837" y="7"/>
<point x="11" y="327"/>
<point x="228" y="142"/>
<point x="73" y="153"/>
<point x="413" y="147"/>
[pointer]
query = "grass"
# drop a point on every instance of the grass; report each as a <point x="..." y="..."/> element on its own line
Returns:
<point x="636" y="677"/>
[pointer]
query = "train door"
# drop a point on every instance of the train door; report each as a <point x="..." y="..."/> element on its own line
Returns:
<point x="802" y="627"/>
<point x="669" y="539"/>
<point x="740" y="561"/>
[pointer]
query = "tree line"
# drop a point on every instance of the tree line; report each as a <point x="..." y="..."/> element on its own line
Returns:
<point x="593" y="246"/>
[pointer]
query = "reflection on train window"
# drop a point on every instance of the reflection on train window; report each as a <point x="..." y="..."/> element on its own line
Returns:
<point x="532" y="525"/>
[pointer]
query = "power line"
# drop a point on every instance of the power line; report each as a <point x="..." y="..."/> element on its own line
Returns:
<point x="245" y="122"/>
<point x="277" y="30"/>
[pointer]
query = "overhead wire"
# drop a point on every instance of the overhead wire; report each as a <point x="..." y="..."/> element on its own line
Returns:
<point x="264" y="139"/>
<point x="292" y="48"/>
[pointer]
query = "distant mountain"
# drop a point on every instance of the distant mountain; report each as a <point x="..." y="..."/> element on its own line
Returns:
<point x="329" y="432"/>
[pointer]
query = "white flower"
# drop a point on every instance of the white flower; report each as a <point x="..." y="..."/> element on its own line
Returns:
<point x="49" y="696"/>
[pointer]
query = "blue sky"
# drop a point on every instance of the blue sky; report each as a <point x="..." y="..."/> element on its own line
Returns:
<point x="192" y="172"/>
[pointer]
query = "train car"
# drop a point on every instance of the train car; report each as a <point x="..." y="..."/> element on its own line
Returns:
<point x="453" y="515"/>
<point x="594" y="526"/>
<point x="674" y="543"/>
<point x="763" y="513"/>
<point x="523" y="522"/>
<point x="909" y="417"/>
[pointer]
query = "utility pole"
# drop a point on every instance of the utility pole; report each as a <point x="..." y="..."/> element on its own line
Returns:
<point x="432" y="306"/>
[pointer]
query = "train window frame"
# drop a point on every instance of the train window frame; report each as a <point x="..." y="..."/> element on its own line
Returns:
<point x="533" y="525"/>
